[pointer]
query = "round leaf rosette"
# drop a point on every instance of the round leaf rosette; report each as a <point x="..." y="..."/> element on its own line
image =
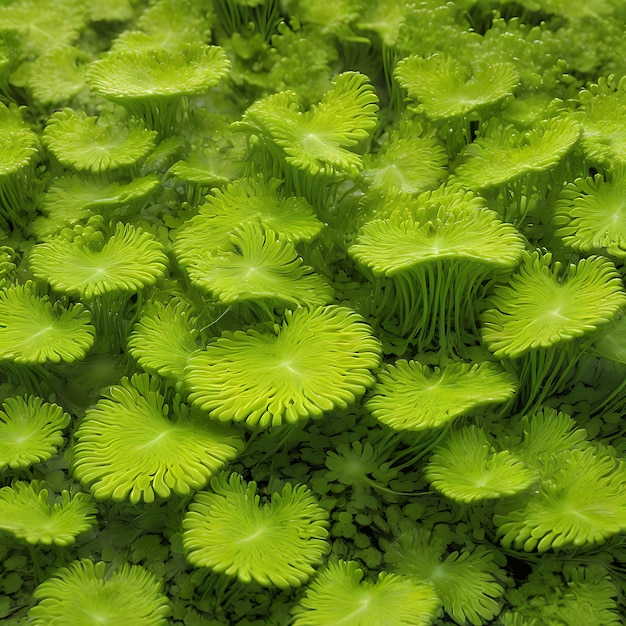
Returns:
<point x="318" y="359"/>
<point x="274" y="544"/>
<point x="466" y="581"/>
<point x="410" y="161"/>
<point x="34" y="330"/>
<point x="31" y="431"/>
<point x="151" y="84"/>
<point x="27" y="513"/>
<point x="338" y="595"/>
<point x="242" y="202"/>
<point x="411" y="396"/>
<point x="95" y="145"/>
<point x="467" y="467"/>
<point x="258" y="266"/>
<point x="87" y="263"/>
<point x="73" y="199"/>
<point x="446" y="88"/>
<point x="319" y="141"/>
<point x="579" y="501"/>
<point x="429" y="258"/>
<point x="503" y="154"/>
<point x="590" y="214"/>
<point x="164" y="338"/>
<point x="543" y="306"/>
<point x="187" y="70"/>
<point x="86" y="593"/>
<point x="138" y="443"/>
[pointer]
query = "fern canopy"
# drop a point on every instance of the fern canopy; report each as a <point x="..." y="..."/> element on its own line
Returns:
<point x="318" y="360"/>
<point x="412" y="396"/>
<point x="27" y="513"/>
<point x="543" y="306"/>
<point x="131" y="445"/>
<point x="90" y="593"/>
<point x="31" y="431"/>
<point x="339" y="595"/>
<point x="274" y="544"/>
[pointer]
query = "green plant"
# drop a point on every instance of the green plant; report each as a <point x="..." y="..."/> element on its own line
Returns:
<point x="322" y="303"/>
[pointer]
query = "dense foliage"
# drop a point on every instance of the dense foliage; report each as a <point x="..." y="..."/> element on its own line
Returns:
<point x="312" y="312"/>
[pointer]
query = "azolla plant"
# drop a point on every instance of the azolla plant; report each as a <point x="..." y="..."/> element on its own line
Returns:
<point x="312" y="313"/>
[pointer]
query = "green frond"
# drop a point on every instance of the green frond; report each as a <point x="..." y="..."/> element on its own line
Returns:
<point x="94" y="144"/>
<point x="27" y="512"/>
<point x="446" y="88"/>
<point x="590" y="597"/>
<point x="189" y="70"/>
<point x="57" y="76"/>
<point x="504" y="154"/>
<point x="466" y="581"/>
<point x="547" y="432"/>
<point x="91" y="264"/>
<point x="173" y="23"/>
<point x="386" y="18"/>
<point x="91" y="593"/>
<point x="590" y="214"/>
<point x="31" y="431"/>
<point x="245" y="201"/>
<point x="18" y="144"/>
<point x="603" y="106"/>
<point x="575" y="593"/>
<point x="336" y="19"/>
<point x="110" y="10"/>
<point x="73" y="199"/>
<point x="339" y="595"/>
<point x="580" y="501"/>
<point x="412" y="396"/>
<point x="408" y="162"/>
<point x="164" y="338"/>
<point x="209" y="168"/>
<point x="34" y="330"/>
<point x="277" y="543"/>
<point x="317" y="360"/>
<point x="258" y="265"/>
<point x="359" y="465"/>
<point x="466" y="467"/>
<point x="545" y="304"/>
<point x="136" y="445"/>
<point x="41" y="26"/>
<point x="430" y="257"/>
<point x="8" y="269"/>
<point x="319" y="141"/>
<point x="154" y="84"/>
<point x="446" y="224"/>
<point x="611" y="344"/>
